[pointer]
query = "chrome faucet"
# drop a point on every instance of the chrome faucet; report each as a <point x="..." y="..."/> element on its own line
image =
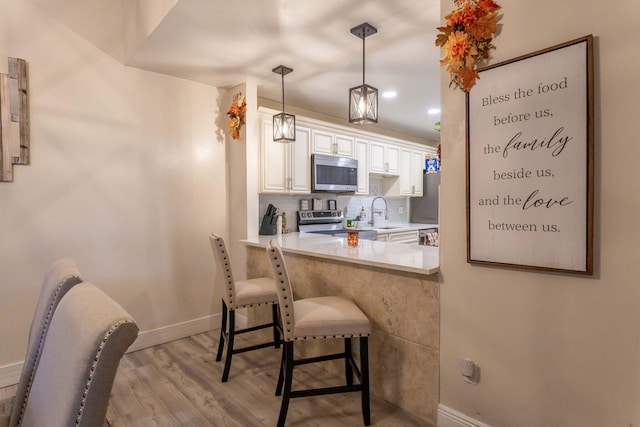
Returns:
<point x="373" y="213"/>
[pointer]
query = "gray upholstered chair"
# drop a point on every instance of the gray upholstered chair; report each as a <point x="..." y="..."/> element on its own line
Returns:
<point x="61" y="276"/>
<point x="238" y="294"/>
<point x="321" y="318"/>
<point x="88" y="334"/>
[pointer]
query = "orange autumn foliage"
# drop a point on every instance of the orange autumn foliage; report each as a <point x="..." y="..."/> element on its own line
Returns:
<point x="466" y="39"/>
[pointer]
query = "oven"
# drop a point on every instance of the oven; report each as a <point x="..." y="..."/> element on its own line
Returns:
<point x="329" y="222"/>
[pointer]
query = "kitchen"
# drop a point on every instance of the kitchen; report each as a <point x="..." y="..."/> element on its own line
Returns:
<point x="312" y="177"/>
<point x="378" y="272"/>
<point x="132" y="169"/>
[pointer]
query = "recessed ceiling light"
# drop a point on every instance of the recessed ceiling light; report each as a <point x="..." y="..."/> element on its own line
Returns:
<point x="390" y="94"/>
<point x="433" y="111"/>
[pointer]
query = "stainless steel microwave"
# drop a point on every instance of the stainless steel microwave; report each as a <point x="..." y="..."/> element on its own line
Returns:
<point x="333" y="174"/>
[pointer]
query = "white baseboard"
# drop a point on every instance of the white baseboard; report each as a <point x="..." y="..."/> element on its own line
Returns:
<point x="10" y="374"/>
<point x="448" y="417"/>
<point x="175" y="332"/>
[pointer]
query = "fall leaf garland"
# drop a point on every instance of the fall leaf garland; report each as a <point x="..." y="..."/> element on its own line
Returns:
<point x="466" y="39"/>
<point x="237" y="111"/>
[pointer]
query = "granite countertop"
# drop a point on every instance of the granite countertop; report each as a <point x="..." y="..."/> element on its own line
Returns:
<point x="394" y="256"/>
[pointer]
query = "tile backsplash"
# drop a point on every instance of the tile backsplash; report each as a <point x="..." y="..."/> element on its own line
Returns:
<point x="350" y="205"/>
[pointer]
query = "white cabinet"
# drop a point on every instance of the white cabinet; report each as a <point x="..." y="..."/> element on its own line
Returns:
<point x="285" y="167"/>
<point x="407" y="237"/>
<point x="362" y="156"/>
<point x="384" y="158"/>
<point x="416" y="173"/>
<point x="411" y="170"/>
<point x="403" y="237"/>
<point x="332" y="144"/>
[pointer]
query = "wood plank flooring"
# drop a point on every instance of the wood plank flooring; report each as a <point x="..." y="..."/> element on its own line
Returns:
<point x="178" y="384"/>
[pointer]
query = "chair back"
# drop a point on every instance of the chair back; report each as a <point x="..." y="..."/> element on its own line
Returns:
<point x="61" y="276"/>
<point x="283" y="287"/>
<point x="88" y="336"/>
<point x="223" y="263"/>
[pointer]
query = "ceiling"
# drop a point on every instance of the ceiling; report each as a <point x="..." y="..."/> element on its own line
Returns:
<point x="225" y="43"/>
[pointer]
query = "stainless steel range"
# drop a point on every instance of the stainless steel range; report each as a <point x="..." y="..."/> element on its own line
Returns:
<point x="328" y="222"/>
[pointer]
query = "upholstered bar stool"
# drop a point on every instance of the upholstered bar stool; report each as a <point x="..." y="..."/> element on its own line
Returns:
<point x="241" y="294"/>
<point x="329" y="317"/>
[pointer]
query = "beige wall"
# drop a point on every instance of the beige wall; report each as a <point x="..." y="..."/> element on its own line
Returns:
<point x="127" y="177"/>
<point x="554" y="350"/>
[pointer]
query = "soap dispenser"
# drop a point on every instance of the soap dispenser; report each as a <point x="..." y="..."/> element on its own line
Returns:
<point x="363" y="214"/>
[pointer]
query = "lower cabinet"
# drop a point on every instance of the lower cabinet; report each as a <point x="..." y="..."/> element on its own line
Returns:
<point x="407" y="237"/>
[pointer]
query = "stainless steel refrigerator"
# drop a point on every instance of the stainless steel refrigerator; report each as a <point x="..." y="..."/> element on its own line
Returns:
<point x="424" y="210"/>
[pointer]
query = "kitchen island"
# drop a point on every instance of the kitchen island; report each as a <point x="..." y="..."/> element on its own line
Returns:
<point x="396" y="286"/>
<point x="395" y="256"/>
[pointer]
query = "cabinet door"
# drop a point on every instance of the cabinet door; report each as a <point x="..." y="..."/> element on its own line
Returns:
<point x="300" y="162"/>
<point x="417" y="170"/>
<point x="384" y="159"/>
<point x="392" y="157"/>
<point x="362" y="155"/>
<point x="376" y="157"/>
<point x="404" y="237"/>
<point x="344" y="146"/>
<point x="405" y="178"/>
<point x="273" y="177"/>
<point x="322" y="142"/>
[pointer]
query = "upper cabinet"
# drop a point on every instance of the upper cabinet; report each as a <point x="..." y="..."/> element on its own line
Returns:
<point x="332" y="144"/>
<point x="384" y="158"/>
<point x="411" y="171"/>
<point x="362" y="156"/>
<point x="285" y="167"/>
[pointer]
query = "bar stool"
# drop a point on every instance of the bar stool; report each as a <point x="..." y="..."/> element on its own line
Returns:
<point x="328" y="317"/>
<point x="242" y="294"/>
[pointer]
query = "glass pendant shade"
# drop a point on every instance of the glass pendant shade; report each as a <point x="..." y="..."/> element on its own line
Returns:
<point x="284" y="125"/>
<point x="363" y="104"/>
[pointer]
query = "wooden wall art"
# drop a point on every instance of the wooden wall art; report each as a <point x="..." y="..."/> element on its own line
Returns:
<point x="14" y="108"/>
<point x="530" y="161"/>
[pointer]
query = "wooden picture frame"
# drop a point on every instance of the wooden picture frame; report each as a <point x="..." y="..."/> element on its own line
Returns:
<point x="530" y="167"/>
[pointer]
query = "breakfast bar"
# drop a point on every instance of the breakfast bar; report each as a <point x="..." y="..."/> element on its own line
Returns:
<point x="396" y="286"/>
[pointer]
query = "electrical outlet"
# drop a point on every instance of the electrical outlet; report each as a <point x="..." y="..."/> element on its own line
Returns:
<point x="400" y="210"/>
<point x="470" y="371"/>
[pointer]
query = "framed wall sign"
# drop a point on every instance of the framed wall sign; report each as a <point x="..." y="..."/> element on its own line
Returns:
<point x="530" y="161"/>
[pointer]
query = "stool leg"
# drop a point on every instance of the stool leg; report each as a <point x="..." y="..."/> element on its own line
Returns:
<point x="288" y="378"/>
<point x="281" y="374"/>
<point x="364" y="368"/>
<point x="232" y="329"/>
<point x="348" y="369"/>
<point x="276" y="332"/>
<point x="223" y="329"/>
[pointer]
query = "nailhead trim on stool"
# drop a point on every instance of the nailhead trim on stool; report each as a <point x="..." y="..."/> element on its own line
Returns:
<point x="262" y="291"/>
<point x="319" y="314"/>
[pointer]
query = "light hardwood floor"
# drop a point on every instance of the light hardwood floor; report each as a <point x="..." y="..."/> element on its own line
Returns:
<point x="178" y="384"/>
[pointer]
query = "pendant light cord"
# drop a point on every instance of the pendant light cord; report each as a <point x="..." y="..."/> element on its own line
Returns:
<point x="363" y="37"/>
<point x="282" y="74"/>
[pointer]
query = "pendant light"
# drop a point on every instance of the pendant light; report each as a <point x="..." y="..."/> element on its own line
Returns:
<point x="284" y="125"/>
<point x="363" y="100"/>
